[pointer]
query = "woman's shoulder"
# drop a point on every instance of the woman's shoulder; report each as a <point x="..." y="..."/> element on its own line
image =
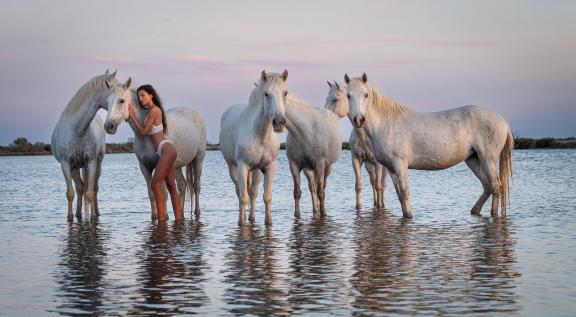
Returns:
<point x="155" y="111"/>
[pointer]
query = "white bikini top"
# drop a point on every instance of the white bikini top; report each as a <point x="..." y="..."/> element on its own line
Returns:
<point x="155" y="128"/>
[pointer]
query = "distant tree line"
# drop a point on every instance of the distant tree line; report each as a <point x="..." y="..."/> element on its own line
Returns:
<point x="21" y="146"/>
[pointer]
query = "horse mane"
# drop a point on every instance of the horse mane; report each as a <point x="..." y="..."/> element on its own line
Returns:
<point x="384" y="105"/>
<point x="84" y="91"/>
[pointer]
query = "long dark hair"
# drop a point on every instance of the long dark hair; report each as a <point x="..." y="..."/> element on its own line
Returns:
<point x="156" y="100"/>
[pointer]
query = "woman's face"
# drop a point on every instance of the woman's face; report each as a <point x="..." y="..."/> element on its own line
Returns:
<point x="145" y="98"/>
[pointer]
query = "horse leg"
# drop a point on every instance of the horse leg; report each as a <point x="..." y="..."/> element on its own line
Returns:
<point x="268" y="176"/>
<point x="79" y="184"/>
<point x="402" y="190"/>
<point x="92" y="168"/>
<point x="148" y="177"/>
<point x="96" y="185"/>
<point x="189" y="175"/>
<point x="323" y="172"/>
<point x="243" y="175"/>
<point x="488" y="165"/>
<point x="384" y="173"/>
<point x="181" y="184"/>
<point x="69" y="188"/>
<point x="233" y="171"/>
<point x="378" y="185"/>
<point x="357" y="166"/>
<point x="474" y="164"/>
<point x="197" y="164"/>
<point x="295" y="171"/>
<point x="311" y="176"/>
<point x="371" y="169"/>
<point x="255" y="178"/>
<point x="85" y="182"/>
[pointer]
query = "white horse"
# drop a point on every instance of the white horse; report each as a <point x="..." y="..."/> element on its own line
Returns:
<point x="79" y="142"/>
<point x="313" y="143"/>
<point x="186" y="130"/>
<point x="404" y="139"/>
<point x="249" y="144"/>
<point x="363" y="153"/>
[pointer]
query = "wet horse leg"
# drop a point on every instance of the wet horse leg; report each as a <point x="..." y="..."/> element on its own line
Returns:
<point x="295" y="171"/>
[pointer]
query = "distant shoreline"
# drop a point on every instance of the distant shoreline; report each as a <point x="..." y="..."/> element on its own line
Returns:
<point x="23" y="148"/>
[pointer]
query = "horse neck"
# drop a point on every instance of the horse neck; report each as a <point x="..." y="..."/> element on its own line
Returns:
<point x="81" y="119"/>
<point x="141" y="114"/>
<point x="299" y="117"/>
<point x="261" y="122"/>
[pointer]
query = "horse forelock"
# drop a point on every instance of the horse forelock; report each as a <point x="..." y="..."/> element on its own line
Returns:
<point x="87" y="89"/>
<point x="273" y="79"/>
<point x="378" y="101"/>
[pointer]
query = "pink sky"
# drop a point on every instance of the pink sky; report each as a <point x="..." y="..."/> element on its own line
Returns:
<point x="516" y="58"/>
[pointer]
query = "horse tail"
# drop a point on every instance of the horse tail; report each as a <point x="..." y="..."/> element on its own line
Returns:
<point x="506" y="170"/>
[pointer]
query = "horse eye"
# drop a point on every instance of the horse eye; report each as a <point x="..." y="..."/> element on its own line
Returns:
<point x="266" y="94"/>
<point x="121" y="100"/>
<point x="285" y="93"/>
<point x="366" y="95"/>
<point x="349" y="96"/>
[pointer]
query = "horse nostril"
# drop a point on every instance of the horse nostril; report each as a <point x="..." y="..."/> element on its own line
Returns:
<point x="274" y="122"/>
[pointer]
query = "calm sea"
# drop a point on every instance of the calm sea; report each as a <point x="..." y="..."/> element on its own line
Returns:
<point x="352" y="262"/>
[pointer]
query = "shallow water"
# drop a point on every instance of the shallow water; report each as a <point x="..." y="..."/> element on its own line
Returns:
<point x="366" y="262"/>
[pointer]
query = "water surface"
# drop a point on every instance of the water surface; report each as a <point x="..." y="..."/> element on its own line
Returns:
<point x="352" y="262"/>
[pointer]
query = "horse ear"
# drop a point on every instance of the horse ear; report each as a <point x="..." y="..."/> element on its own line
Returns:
<point x="285" y="74"/>
<point x="337" y="86"/>
<point x="113" y="74"/>
<point x="128" y="82"/>
<point x="346" y="79"/>
<point x="108" y="84"/>
<point x="263" y="76"/>
<point x="107" y="71"/>
<point x="329" y="84"/>
<point x="255" y="84"/>
<point x="364" y="78"/>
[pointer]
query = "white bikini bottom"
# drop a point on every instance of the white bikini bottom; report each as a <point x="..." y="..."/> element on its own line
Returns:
<point x="159" y="151"/>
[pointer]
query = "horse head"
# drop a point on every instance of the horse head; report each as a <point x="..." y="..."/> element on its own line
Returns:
<point x="337" y="101"/>
<point x="118" y="101"/>
<point x="357" y="98"/>
<point x="273" y="88"/>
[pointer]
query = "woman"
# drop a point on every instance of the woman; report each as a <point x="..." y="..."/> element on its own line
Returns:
<point x="155" y="127"/>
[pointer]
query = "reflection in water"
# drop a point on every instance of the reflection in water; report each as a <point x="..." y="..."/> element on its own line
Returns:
<point x="438" y="269"/>
<point x="81" y="270"/>
<point x="492" y="276"/>
<point x="383" y="264"/>
<point x="315" y="269"/>
<point x="172" y="269"/>
<point x="252" y="272"/>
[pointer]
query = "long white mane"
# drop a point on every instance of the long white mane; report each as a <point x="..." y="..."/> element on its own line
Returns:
<point x="384" y="105"/>
<point x="97" y="82"/>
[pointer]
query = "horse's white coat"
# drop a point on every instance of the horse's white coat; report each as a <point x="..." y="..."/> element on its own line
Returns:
<point x="79" y="142"/>
<point x="249" y="143"/>
<point x="313" y="143"/>
<point x="403" y="139"/>
<point x="186" y="130"/>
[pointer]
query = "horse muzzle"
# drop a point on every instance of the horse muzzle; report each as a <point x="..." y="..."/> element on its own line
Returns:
<point x="278" y="124"/>
<point x="110" y="127"/>
<point x="359" y="121"/>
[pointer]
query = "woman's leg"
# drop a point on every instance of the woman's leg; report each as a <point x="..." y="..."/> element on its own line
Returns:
<point x="173" y="190"/>
<point x="163" y="168"/>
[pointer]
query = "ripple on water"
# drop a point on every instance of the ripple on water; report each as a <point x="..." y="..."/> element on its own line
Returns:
<point x="359" y="262"/>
